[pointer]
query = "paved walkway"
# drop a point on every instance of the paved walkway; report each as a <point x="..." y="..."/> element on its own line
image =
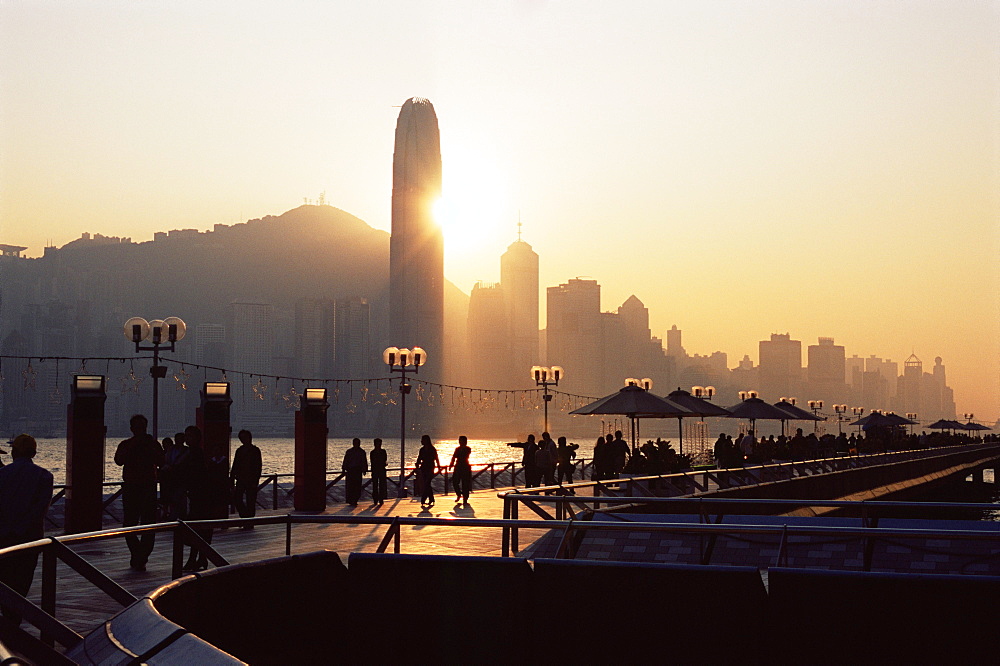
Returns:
<point x="81" y="606"/>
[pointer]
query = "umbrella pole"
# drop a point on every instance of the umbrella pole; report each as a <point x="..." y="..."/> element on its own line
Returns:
<point x="680" y="435"/>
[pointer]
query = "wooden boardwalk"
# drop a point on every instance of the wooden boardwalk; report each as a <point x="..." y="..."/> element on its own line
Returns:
<point x="81" y="606"/>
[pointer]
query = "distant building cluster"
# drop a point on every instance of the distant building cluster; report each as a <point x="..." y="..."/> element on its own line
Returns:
<point x="327" y="313"/>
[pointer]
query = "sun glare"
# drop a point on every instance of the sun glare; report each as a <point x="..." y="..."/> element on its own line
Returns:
<point x="474" y="208"/>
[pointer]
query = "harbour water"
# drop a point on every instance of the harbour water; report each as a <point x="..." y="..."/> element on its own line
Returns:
<point x="278" y="453"/>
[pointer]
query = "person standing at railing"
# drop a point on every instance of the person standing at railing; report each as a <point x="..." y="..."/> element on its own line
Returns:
<point x="25" y="492"/>
<point x="379" y="461"/>
<point x="528" y="460"/>
<point x="199" y="494"/>
<point x="245" y="476"/>
<point x="139" y="456"/>
<point x="618" y="455"/>
<point x="545" y="460"/>
<point x="461" y="477"/>
<point x="565" y="454"/>
<point x="355" y="466"/>
<point x="427" y="466"/>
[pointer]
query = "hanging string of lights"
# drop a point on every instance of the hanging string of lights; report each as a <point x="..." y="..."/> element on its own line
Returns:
<point x="284" y="391"/>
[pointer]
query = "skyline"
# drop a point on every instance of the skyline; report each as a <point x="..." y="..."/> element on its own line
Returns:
<point x="785" y="162"/>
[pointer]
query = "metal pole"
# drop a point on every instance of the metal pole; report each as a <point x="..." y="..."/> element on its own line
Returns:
<point x="402" y="434"/>
<point x="156" y="391"/>
<point x="545" y="399"/>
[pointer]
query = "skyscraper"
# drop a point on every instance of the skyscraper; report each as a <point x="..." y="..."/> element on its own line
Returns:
<point x="519" y="279"/>
<point x="573" y="334"/>
<point x="416" y="247"/>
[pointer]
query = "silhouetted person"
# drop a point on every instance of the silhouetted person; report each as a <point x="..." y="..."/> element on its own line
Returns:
<point x="25" y="493"/>
<point x="355" y="465"/>
<point x="174" y="479"/>
<point x="139" y="456"/>
<point x="564" y="456"/>
<point x="245" y="475"/>
<point x="379" y="459"/>
<point x="528" y="460"/>
<point x="199" y="494"/>
<point x="619" y="455"/>
<point x="600" y="463"/>
<point x="427" y="466"/>
<point x="461" y="478"/>
<point x="545" y="460"/>
<point x="747" y="443"/>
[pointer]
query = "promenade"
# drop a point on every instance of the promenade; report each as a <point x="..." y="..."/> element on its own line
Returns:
<point x="81" y="606"/>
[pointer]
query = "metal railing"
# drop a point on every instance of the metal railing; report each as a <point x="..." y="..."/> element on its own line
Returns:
<point x="484" y="475"/>
<point x="704" y="480"/>
<point x="58" y="549"/>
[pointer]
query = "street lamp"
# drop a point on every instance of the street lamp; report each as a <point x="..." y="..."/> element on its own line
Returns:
<point x="841" y="410"/>
<point x="546" y="377"/>
<point x="704" y="392"/>
<point x="161" y="333"/>
<point x="913" y="417"/>
<point x="746" y="395"/>
<point x="858" y="413"/>
<point x="815" y="406"/>
<point x="402" y="361"/>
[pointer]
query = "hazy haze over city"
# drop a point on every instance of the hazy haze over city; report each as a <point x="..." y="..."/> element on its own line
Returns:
<point x="823" y="169"/>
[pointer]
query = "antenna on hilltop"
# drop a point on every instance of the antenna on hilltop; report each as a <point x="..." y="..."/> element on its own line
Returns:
<point x="519" y="226"/>
<point x="322" y="198"/>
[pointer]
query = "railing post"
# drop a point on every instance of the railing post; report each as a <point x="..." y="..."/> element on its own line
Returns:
<point x="288" y="535"/>
<point x="513" y="531"/>
<point x="177" y="560"/>
<point x="505" y="538"/>
<point x="274" y="492"/>
<point x="493" y="475"/>
<point x="48" y="589"/>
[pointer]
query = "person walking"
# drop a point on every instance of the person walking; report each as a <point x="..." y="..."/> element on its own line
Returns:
<point x="379" y="459"/>
<point x="461" y="477"/>
<point x="25" y="493"/>
<point x="355" y="465"/>
<point x="427" y="466"/>
<point x="139" y="456"/>
<point x="245" y="476"/>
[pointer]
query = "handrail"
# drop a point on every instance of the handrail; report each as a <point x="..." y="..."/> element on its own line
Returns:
<point x="57" y="547"/>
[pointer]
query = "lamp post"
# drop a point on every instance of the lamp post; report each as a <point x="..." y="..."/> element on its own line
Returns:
<point x="913" y="417"/>
<point x="402" y="361"/>
<point x="161" y="333"/>
<point x="703" y="392"/>
<point x="841" y="410"/>
<point x="546" y="377"/>
<point x="858" y="413"/>
<point x="815" y="406"/>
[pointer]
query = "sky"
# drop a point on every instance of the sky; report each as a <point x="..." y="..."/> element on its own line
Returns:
<point x="744" y="168"/>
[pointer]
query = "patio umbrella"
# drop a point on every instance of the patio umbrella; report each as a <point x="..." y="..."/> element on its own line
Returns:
<point x="694" y="406"/>
<point x="942" y="424"/>
<point x="971" y="425"/>
<point x="755" y="408"/>
<point x="879" y="419"/>
<point x="795" y="414"/>
<point x="634" y="402"/>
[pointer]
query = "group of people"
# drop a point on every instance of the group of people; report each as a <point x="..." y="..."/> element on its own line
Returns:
<point x="195" y="482"/>
<point x="547" y="462"/>
<point x="355" y="465"/>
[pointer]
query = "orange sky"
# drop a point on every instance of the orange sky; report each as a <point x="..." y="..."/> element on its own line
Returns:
<point x="822" y="169"/>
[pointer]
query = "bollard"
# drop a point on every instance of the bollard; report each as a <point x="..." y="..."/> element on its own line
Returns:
<point x="310" y="451"/>
<point x="85" y="434"/>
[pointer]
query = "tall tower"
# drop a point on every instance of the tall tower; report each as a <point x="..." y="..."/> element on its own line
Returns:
<point x="416" y="247"/>
<point x="519" y="279"/>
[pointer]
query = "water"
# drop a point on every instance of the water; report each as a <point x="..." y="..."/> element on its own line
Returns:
<point x="278" y="453"/>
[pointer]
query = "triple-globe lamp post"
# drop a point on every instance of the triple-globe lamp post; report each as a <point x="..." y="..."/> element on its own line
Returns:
<point x="162" y="334"/>
<point x="546" y="377"/>
<point x="403" y="361"/>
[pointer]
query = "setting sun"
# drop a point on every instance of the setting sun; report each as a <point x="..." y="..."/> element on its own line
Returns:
<point x="475" y="208"/>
